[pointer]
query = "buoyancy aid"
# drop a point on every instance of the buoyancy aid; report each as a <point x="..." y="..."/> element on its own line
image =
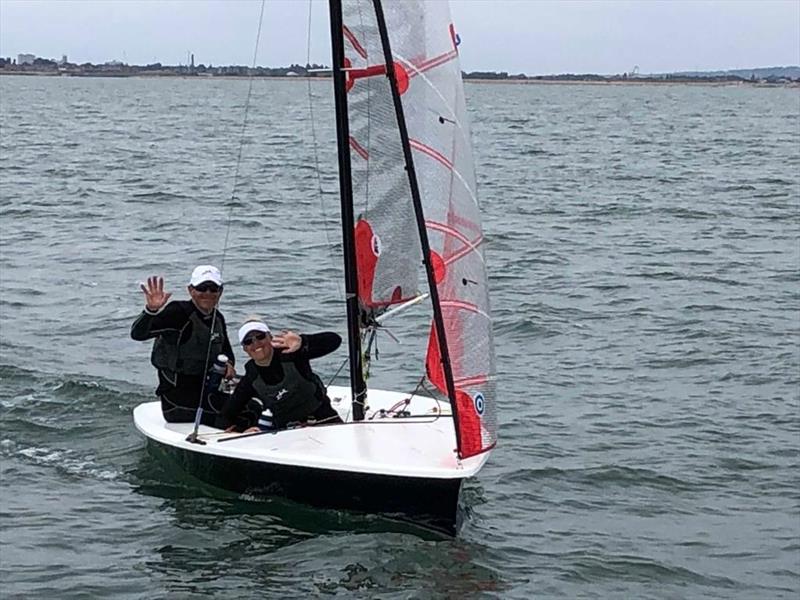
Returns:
<point x="188" y="358"/>
<point x="294" y="398"/>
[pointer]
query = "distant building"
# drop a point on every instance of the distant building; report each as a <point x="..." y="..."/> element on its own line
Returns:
<point x="25" y="59"/>
<point x="63" y="60"/>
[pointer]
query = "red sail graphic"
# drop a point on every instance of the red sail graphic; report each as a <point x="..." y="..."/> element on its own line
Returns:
<point x="425" y="51"/>
<point x="468" y="420"/>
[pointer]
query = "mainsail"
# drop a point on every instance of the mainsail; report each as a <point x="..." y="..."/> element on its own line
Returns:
<point x="424" y="48"/>
<point x="387" y="245"/>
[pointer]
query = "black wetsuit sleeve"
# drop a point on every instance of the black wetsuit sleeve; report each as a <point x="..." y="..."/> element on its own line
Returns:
<point x="319" y="344"/>
<point x="149" y="325"/>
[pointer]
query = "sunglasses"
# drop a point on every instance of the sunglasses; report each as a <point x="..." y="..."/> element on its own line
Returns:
<point x="208" y="287"/>
<point x="253" y="338"/>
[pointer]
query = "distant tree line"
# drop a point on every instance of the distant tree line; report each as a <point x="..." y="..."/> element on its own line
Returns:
<point x="592" y="77"/>
<point x="34" y="65"/>
<point x="44" y="65"/>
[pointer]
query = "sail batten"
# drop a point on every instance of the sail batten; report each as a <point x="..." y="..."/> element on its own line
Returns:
<point x="391" y="246"/>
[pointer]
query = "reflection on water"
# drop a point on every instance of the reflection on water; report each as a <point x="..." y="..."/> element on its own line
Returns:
<point x="272" y="543"/>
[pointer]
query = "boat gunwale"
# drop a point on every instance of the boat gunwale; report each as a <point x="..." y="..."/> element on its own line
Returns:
<point x="174" y="435"/>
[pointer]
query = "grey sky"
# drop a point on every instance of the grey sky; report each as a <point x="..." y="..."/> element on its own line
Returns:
<point x="534" y="37"/>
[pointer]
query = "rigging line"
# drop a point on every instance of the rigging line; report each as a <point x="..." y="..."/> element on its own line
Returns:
<point x="198" y="415"/>
<point x="424" y="419"/>
<point x="397" y="420"/>
<point x="435" y="397"/>
<point x="321" y="192"/>
<point x="335" y="375"/>
<point x="241" y="137"/>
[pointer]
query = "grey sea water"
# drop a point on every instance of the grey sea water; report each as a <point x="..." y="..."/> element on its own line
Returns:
<point x="644" y="254"/>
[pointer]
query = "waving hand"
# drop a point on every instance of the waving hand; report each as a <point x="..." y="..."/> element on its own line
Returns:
<point x="154" y="295"/>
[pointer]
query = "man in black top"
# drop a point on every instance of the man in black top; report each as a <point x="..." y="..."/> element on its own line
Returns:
<point x="278" y="378"/>
<point x="185" y="346"/>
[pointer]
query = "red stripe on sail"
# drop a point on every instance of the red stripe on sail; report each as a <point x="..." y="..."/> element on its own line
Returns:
<point x="469" y="245"/>
<point x="436" y="226"/>
<point x="404" y="70"/>
<point x="436" y="155"/>
<point x="463" y="252"/>
<point x="460" y="304"/>
<point x="354" y="42"/>
<point x="471" y="381"/>
<point x="358" y="148"/>
<point x="431" y="63"/>
<point x="463" y="222"/>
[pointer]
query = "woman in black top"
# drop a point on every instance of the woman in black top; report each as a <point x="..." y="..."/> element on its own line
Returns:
<point x="278" y="377"/>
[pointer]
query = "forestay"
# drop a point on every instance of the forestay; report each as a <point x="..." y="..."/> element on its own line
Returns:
<point x="428" y="75"/>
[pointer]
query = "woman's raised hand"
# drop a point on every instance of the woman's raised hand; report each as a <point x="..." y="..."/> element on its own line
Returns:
<point x="288" y="341"/>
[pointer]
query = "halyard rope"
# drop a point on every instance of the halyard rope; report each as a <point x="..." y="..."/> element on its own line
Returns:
<point x="199" y="413"/>
<point x="320" y="191"/>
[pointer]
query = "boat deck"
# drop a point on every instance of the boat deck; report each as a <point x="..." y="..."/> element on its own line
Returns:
<point x="420" y="445"/>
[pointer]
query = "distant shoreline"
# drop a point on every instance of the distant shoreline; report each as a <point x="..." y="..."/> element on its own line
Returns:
<point x="637" y="81"/>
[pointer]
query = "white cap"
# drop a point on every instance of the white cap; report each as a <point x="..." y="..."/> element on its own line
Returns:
<point x="205" y="273"/>
<point x="252" y="326"/>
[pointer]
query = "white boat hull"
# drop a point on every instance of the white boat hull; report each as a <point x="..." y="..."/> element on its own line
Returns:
<point x="404" y="465"/>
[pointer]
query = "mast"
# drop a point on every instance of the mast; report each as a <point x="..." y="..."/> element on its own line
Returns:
<point x="358" y="386"/>
<point x="417" y="202"/>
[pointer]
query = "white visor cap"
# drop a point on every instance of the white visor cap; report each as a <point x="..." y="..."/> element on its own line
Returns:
<point x="251" y="326"/>
<point x="205" y="273"/>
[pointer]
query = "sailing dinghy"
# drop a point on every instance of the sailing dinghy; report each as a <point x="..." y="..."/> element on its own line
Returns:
<point x="405" y="162"/>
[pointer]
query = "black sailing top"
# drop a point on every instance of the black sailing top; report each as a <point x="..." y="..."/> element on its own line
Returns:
<point x="177" y="316"/>
<point x="313" y="346"/>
